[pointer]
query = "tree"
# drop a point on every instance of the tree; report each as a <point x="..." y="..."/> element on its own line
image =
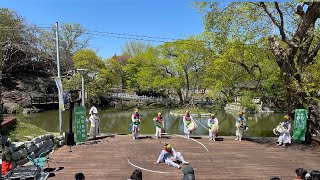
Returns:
<point x="72" y="38"/>
<point x="134" y="48"/>
<point x="19" y="50"/>
<point x="87" y="59"/>
<point x="185" y="62"/>
<point x="294" y="43"/>
<point x="99" y="79"/>
<point x="116" y="66"/>
<point x="10" y="24"/>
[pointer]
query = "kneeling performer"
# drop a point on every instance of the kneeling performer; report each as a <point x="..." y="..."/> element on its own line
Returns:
<point x="170" y="157"/>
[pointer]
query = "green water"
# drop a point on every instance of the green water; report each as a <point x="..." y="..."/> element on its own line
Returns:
<point x="117" y="121"/>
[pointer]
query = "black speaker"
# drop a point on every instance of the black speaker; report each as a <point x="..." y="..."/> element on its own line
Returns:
<point x="307" y="138"/>
<point x="70" y="138"/>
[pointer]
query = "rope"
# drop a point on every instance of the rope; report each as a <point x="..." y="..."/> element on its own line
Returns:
<point x="202" y="125"/>
<point x="196" y="141"/>
<point x="161" y="172"/>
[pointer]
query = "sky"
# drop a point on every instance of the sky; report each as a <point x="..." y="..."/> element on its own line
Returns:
<point x="167" y="19"/>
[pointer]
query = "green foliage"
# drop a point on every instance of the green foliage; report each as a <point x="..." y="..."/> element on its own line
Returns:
<point x="246" y="101"/>
<point x="116" y="66"/>
<point x="99" y="78"/>
<point x="135" y="48"/>
<point x="73" y="83"/>
<point x="272" y="42"/>
<point x="9" y="19"/>
<point x="87" y="59"/>
<point x="72" y="38"/>
<point x="100" y="85"/>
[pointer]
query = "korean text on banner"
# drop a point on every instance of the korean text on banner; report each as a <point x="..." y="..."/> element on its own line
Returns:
<point x="80" y="124"/>
<point x="300" y="124"/>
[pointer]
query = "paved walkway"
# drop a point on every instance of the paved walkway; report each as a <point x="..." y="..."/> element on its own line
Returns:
<point x="228" y="159"/>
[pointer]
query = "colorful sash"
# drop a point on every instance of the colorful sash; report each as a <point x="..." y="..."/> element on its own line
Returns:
<point x="188" y="119"/>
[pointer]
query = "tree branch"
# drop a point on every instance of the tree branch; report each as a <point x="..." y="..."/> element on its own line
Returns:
<point x="273" y="19"/>
<point x="276" y="22"/>
<point x="300" y="11"/>
<point x="313" y="53"/>
<point x="168" y="72"/>
<point x="244" y="66"/>
<point x="281" y="20"/>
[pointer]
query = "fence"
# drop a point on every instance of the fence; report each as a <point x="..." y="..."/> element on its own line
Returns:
<point x="126" y="96"/>
<point x="46" y="99"/>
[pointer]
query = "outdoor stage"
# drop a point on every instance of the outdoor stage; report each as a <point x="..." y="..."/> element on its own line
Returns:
<point x="228" y="159"/>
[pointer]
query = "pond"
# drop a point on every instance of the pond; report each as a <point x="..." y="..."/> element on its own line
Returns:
<point x="117" y="121"/>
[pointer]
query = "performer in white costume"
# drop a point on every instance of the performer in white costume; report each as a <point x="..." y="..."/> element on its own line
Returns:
<point x="241" y="125"/>
<point x="135" y="125"/>
<point x="284" y="137"/>
<point x="94" y="122"/>
<point x="159" y="125"/>
<point x="187" y="120"/>
<point x="213" y="124"/>
<point x="93" y="110"/>
<point x="170" y="157"/>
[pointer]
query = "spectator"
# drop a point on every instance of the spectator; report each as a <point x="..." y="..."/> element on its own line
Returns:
<point x="313" y="175"/>
<point x="79" y="176"/>
<point x="301" y="173"/>
<point x="136" y="175"/>
<point x="275" y="178"/>
<point x="188" y="173"/>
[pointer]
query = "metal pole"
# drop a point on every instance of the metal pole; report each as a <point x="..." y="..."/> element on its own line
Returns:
<point x="58" y="68"/>
<point x="83" y="91"/>
<point x="57" y="47"/>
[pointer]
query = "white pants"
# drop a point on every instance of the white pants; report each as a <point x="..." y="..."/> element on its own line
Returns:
<point x="186" y="131"/>
<point x="284" y="138"/>
<point x="94" y="131"/>
<point x="169" y="161"/>
<point x="135" y="131"/>
<point x="239" y="133"/>
<point x="212" y="135"/>
<point x="158" y="132"/>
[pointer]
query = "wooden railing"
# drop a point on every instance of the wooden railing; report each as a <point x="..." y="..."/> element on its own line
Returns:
<point x="126" y="96"/>
<point x="46" y="99"/>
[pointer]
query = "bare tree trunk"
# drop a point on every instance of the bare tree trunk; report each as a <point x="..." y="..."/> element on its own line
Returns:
<point x="179" y="92"/>
<point x="188" y="83"/>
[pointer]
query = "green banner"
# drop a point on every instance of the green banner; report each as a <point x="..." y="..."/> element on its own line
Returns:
<point x="80" y="124"/>
<point x="300" y="124"/>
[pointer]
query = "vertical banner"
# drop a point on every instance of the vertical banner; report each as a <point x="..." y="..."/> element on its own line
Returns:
<point x="300" y="124"/>
<point x="60" y="93"/>
<point x="80" y="124"/>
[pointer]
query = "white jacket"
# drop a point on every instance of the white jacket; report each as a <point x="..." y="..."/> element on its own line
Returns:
<point x="162" y="154"/>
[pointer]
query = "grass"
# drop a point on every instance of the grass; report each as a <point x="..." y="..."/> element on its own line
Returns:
<point x="25" y="132"/>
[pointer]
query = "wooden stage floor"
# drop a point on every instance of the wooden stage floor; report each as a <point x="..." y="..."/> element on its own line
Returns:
<point x="228" y="159"/>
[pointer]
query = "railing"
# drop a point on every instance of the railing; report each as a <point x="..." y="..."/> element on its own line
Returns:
<point x="127" y="96"/>
<point x="46" y="99"/>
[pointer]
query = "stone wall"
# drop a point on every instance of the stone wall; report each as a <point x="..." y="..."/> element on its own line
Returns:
<point x="16" y="153"/>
